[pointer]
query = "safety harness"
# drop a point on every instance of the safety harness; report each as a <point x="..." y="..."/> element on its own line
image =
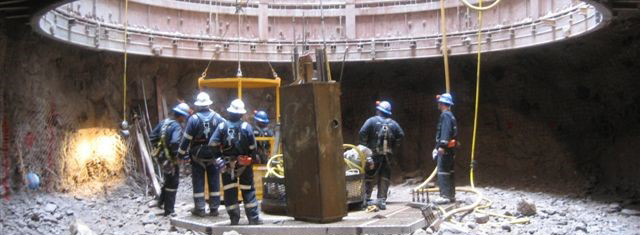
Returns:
<point x="384" y="136"/>
<point x="201" y="138"/>
<point x="234" y="140"/>
<point x="162" y="148"/>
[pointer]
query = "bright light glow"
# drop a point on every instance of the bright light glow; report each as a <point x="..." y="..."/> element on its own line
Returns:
<point x="83" y="151"/>
<point x="93" y="154"/>
<point x="105" y="147"/>
<point x="96" y="144"/>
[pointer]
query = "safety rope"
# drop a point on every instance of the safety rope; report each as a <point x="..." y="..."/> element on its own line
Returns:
<point x="238" y="10"/>
<point x="479" y="7"/>
<point x="124" y="76"/>
<point x="213" y="54"/>
<point x="477" y="206"/>
<point x="444" y="48"/>
<point x="475" y="115"/>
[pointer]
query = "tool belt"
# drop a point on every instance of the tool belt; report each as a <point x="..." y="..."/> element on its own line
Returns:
<point x="203" y="155"/>
<point x="453" y="143"/>
<point x="241" y="160"/>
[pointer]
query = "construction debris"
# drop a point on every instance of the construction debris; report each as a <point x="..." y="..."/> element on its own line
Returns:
<point x="482" y="218"/>
<point x="79" y="228"/>
<point x="526" y="208"/>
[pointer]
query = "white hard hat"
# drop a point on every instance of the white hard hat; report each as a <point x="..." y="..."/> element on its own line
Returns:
<point x="203" y="100"/>
<point x="384" y="107"/>
<point x="445" y="98"/>
<point x="182" y="109"/>
<point x="237" y="107"/>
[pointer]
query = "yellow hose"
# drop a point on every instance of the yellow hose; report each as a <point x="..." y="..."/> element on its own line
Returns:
<point x="475" y="115"/>
<point x="277" y="170"/>
<point x="480" y="8"/>
<point x="271" y="170"/>
<point x="476" y="205"/>
<point x="360" y="154"/>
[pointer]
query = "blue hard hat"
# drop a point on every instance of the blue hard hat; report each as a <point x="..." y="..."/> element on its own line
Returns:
<point x="445" y="98"/>
<point x="33" y="181"/>
<point x="182" y="109"/>
<point x="384" y="106"/>
<point x="261" y="116"/>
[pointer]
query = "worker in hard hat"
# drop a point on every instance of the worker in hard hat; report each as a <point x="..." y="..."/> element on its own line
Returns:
<point x="382" y="135"/>
<point x="166" y="138"/>
<point x="263" y="151"/>
<point x="446" y="134"/>
<point x="198" y="130"/>
<point x="234" y="142"/>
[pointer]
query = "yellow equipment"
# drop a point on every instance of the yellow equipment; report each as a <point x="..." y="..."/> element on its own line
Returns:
<point x="241" y="83"/>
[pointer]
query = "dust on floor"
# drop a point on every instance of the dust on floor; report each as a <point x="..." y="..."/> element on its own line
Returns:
<point x="122" y="209"/>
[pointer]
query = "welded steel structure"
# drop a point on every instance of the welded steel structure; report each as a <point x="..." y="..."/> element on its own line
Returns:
<point x="360" y="30"/>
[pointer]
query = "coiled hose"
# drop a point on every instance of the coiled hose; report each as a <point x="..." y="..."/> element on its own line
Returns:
<point x="275" y="163"/>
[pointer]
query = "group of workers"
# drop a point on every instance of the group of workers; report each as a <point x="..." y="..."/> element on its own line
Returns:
<point x="216" y="145"/>
<point x="381" y="134"/>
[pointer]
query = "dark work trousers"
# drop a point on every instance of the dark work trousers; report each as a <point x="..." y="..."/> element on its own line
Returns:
<point x="380" y="175"/>
<point x="231" y="186"/>
<point x="169" y="190"/>
<point x="446" y="180"/>
<point x="198" y="168"/>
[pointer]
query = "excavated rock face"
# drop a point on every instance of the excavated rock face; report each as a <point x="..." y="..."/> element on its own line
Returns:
<point x="566" y="114"/>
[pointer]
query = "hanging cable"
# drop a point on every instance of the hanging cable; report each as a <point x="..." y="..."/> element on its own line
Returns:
<point x="238" y="10"/>
<point x="344" y="58"/>
<point x="124" y="77"/>
<point x="480" y="8"/>
<point x="444" y="48"/>
<point x="213" y="54"/>
<point x="324" y="42"/>
<point x="475" y="115"/>
<point x="477" y="206"/>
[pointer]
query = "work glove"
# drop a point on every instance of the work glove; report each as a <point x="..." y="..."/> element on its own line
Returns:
<point x="220" y="165"/>
<point x="370" y="164"/>
<point x="168" y="168"/>
<point x="185" y="157"/>
<point x="434" y="154"/>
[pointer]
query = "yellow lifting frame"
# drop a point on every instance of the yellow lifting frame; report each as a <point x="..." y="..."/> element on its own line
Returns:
<point x="241" y="83"/>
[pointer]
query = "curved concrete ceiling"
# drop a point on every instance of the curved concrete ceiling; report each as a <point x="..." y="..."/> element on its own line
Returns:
<point x="357" y="30"/>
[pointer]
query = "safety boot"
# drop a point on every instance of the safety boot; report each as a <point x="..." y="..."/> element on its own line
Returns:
<point x="444" y="200"/>
<point x="169" y="203"/>
<point x="234" y="215"/>
<point x="199" y="209"/>
<point x="382" y="204"/>
<point x="214" y="212"/>
<point x="213" y="207"/>
<point x="256" y="222"/>
<point x="383" y="189"/>
<point x="198" y="212"/>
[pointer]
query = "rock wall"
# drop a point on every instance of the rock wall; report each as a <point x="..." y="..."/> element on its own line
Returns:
<point x="565" y="114"/>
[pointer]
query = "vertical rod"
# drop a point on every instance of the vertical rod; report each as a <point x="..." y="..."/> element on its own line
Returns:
<point x="324" y="42"/>
<point x="124" y="77"/>
<point x="444" y="48"/>
<point x="475" y="116"/>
